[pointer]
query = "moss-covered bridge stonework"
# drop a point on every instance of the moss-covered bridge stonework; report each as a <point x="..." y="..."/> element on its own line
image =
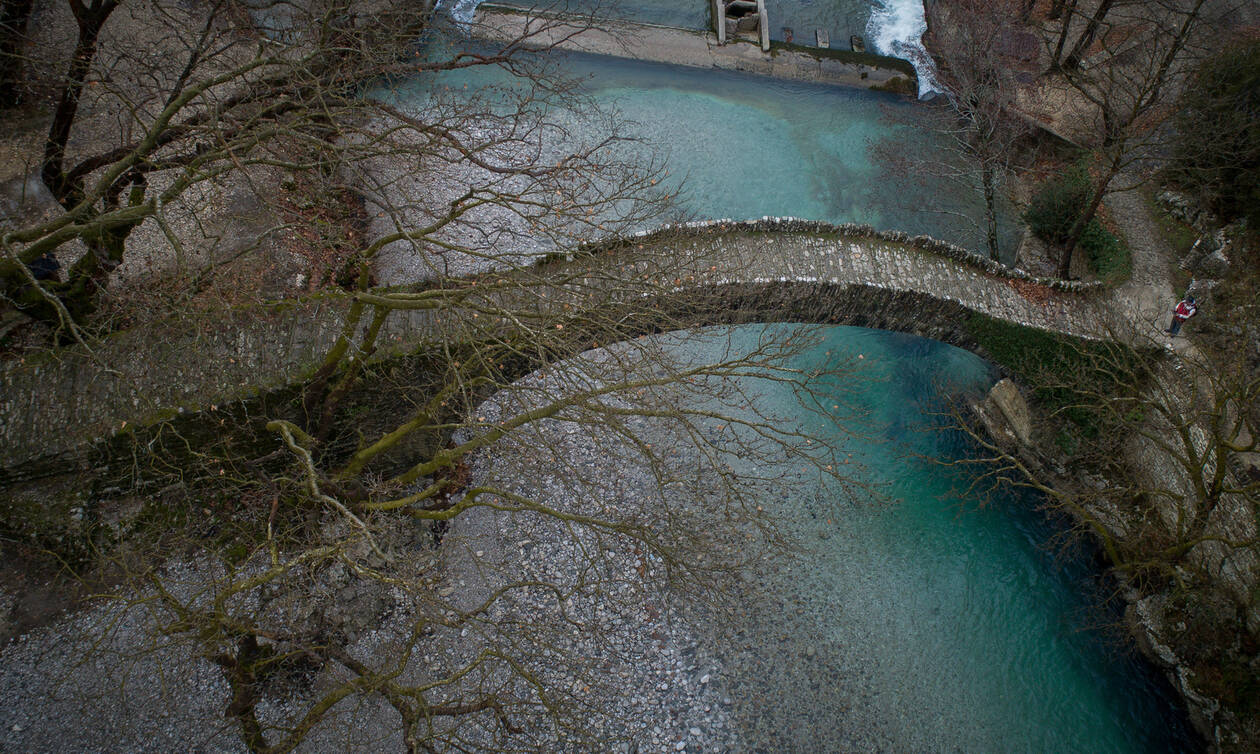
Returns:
<point x="58" y="410"/>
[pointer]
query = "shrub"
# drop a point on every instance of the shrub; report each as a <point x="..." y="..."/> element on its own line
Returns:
<point x="1107" y="257"/>
<point x="1217" y="146"/>
<point x="1058" y="203"/>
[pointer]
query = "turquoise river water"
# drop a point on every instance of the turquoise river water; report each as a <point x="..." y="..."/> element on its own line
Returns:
<point x="934" y="624"/>
<point x="931" y="623"/>
<point x="740" y="146"/>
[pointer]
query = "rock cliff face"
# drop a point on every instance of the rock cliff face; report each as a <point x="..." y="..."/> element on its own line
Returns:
<point x="1151" y="622"/>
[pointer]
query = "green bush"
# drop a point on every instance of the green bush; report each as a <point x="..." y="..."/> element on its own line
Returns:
<point x="1107" y="257"/>
<point x="1217" y="145"/>
<point x="1058" y="204"/>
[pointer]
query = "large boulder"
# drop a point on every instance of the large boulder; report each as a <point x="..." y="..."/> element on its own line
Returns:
<point x="1204" y="245"/>
<point x="1186" y="209"/>
<point x="1005" y="414"/>
<point x="24" y="201"/>
<point x="1006" y="397"/>
<point x="1203" y="290"/>
<point x="1214" y="265"/>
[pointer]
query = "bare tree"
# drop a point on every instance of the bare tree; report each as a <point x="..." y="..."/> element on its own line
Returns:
<point x="373" y="503"/>
<point x="14" y="17"/>
<point x="1128" y="411"/>
<point x="978" y="65"/>
<point x="479" y="650"/>
<point x="286" y="100"/>
<point x="1131" y="88"/>
<point x="1086" y="38"/>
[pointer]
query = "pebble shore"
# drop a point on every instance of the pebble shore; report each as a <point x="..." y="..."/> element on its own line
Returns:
<point x="621" y="649"/>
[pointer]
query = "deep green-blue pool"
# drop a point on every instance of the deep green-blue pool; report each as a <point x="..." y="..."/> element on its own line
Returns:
<point x="740" y="146"/>
<point x="932" y="622"/>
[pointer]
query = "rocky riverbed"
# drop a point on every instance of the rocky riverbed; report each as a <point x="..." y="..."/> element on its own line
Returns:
<point x="611" y="637"/>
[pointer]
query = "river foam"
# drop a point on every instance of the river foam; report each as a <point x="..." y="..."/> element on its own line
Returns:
<point x="461" y="11"/>
<point x="896" y="29"/>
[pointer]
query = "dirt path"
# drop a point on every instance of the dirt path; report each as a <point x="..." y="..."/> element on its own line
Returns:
<point x="1147" y="297"/>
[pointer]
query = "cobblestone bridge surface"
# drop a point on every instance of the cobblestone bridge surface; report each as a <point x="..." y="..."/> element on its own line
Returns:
<point x="57" y="402"/>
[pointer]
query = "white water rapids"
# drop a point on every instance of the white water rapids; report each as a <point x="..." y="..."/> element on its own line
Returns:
<point x="896" y="29"/>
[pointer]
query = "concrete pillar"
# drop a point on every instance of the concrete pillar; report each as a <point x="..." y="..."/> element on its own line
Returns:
<point x="719" y="20"/>
<point x="763" y="21"/>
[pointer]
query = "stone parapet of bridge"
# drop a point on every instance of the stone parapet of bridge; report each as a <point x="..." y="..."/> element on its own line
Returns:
<point x="771" y="269"/>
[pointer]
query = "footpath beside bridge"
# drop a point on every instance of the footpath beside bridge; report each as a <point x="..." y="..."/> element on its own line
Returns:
<point x="773" y="269"/>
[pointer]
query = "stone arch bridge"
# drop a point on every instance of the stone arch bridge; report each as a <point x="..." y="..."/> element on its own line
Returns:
<point x="54" y="406"/>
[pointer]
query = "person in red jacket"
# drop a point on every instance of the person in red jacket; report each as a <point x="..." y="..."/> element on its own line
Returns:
<point x="1184" y="310"/>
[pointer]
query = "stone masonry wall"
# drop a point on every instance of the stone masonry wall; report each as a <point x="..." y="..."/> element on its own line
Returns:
<point x="840" y="274"/>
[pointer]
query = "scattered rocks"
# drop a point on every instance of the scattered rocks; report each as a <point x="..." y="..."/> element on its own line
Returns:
<point x="1214" y="265"/>
<point x="1186" y="209"/>
<point x="1203" y="290"/>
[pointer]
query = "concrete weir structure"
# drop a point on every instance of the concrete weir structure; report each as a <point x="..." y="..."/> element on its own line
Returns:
<point x="697" y="49"/>
<point x="734" y="17"/>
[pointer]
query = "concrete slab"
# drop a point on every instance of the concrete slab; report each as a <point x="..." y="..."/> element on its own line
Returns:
<point x="660" y="44"/>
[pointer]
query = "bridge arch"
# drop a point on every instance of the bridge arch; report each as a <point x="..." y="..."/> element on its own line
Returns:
<point x="771" y="270"/>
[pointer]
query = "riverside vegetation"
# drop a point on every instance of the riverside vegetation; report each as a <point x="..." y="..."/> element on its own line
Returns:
<point x="1148" y="443"/>
<point x="239" y="165"/>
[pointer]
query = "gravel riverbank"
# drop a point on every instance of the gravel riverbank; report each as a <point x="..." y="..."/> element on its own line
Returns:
<point x="615" y="646"/>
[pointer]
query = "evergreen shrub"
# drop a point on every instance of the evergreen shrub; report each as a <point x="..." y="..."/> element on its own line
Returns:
<point x="1107" y="257"/>
<point x="1058" y="203"/>
<point x="1217" y="144"/>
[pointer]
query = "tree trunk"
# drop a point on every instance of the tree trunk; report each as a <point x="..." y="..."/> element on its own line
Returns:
<point x="89" y="276"/>
<point x="1083" y="42"/>
<point x="1078" y="228"/>
<point x="1067" y="9"/>
<point x="988" y="178"/>
<point x="91" y="20"/>
<point x="240" y="667"/>
<point x="14" y="15"/>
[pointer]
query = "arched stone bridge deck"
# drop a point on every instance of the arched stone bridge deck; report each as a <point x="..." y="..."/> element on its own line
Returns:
<point x="834" y="265"/>
<point x="772" y="270"/>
